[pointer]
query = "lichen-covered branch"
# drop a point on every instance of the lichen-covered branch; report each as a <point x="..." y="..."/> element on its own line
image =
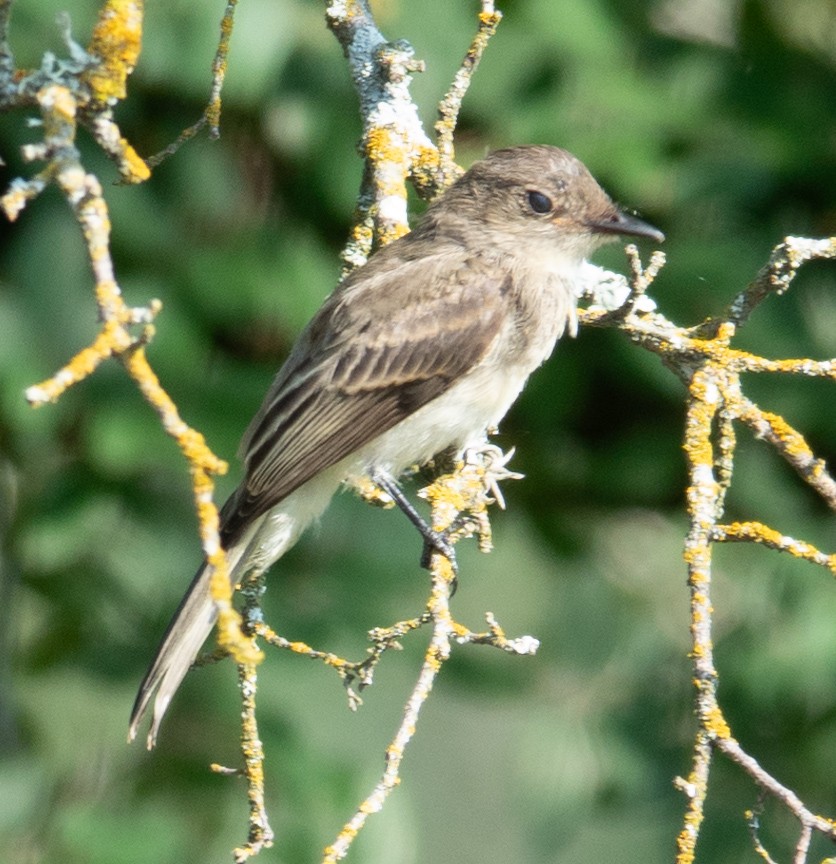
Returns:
<point x="83" y="90"/>
<point x="393" y="135"/>
<point x="463" y="493"/>
<point x="695" y="789"/>
<point x="395" y="147"/>
<point x="704" y="359"/>
<point x="114" y="50"/>
<point x="260" y="835"/>
<point x="756" y="532"/>
<point x="792" y="446"/>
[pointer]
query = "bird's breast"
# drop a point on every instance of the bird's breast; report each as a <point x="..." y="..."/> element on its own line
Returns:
<point x="538" y="312"/>
<point x="542" y="306"/>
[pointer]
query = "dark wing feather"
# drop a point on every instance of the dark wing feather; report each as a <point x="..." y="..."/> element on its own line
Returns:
<point x="387" y="342"/>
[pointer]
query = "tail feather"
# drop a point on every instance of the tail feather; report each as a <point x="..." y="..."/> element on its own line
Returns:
<point x="261" y="542"/>
<point x="186" y="633"/>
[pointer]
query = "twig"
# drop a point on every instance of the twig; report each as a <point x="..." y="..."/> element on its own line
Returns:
<point x="695" y="789"/>
<point x="731" y="748"/>
<point x="757" y="532"/>
<point x="115" y="46"/>
<point x="463" y="491"/>
<point x="212" y="112"/>
<point x="84" y="87"/>
<point x="450" y="105"/>
<point x="7" y="61"/>
<point x="219" y="66"/>
<point x="260" y="835"/>
<point x="793" y="448"/>
<point x="84" y="194"/>
<point x="394" y="144"/>
<point x="753" y="823"/>
<point x="186" y="135"/>
<point x="777" y="275"/>
<point x="803" y="845"/>
<point x="382" y="638"/>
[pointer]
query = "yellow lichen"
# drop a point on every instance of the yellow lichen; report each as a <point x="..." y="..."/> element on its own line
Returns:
<point x="715" y="723"/>
<point x="116" y="41"/>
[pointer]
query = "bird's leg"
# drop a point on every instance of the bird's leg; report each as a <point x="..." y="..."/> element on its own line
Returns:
<point x="432" y="539"/>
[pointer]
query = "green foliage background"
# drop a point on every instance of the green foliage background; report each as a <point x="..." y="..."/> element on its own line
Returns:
<point x="716" y="121"/>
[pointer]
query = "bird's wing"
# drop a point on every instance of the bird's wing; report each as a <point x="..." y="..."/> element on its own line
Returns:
<point x="382" y="346"/>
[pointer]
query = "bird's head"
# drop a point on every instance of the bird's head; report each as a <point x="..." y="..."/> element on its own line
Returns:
<point x="538" y="198"/>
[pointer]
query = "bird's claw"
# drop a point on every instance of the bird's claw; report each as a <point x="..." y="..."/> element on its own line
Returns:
<point x="494" y="464"/>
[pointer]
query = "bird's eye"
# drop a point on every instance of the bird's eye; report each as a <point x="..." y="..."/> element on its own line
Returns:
<point x="539" y="202"/>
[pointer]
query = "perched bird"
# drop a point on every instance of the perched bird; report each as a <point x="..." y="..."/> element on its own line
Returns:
<point x="422" y="349"/>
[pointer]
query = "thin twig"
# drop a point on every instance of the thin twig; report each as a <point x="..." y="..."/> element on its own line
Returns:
<point x="776" y="276"/>
<point x="212" y="112"/>
<point x="753" y="823"/>
<point x="382" y="638"/>
<point x="219" y="66"/>
<point x="260" y="835"/>
<point x="731" y="748"/>
<point x="451" y="103"/>
<point x="757" y="532"/>
<point x="793" y="448"/>
<point x="179" y="141"/>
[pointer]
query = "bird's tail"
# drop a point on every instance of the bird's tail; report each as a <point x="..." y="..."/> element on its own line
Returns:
<point x="266" y="539"/>
<point x="191" y="624"/>
<point x="188" y="629"/>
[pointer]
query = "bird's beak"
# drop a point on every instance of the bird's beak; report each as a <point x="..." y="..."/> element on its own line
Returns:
<point x="623" y="223"/>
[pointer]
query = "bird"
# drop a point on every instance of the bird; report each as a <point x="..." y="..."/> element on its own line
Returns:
<point x="422" y="349"/>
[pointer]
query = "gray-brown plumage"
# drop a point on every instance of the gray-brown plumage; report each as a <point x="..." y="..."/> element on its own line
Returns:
<point x="423" y="348"/>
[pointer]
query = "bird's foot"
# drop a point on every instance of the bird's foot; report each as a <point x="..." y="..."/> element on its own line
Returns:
<point x="494" y="466"/>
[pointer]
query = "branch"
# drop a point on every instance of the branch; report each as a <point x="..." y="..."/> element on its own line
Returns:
<point x="704" y="359"/>
<point x="91" y="81"/>
<point x="394" y="145"/>
<point x="393" y="137"/>
<point x="459" y="504"/>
